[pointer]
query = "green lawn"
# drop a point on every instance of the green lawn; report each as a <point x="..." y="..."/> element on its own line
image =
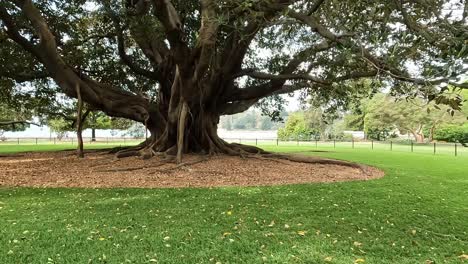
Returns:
<point x="417" y="212"/>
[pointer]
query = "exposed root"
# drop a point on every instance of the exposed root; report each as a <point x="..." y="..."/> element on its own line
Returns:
<point x="249" y="149"/>
<point x="119" y="149"/>
<point x="219" y="146"/>
<point x="261" y="157"/>
<point x="128" y="153"/>
<point x="317" y="160"/>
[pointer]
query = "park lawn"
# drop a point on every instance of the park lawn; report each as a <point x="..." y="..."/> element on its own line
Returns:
<point x="417" y="213"/>
<point x="13" y="148"/>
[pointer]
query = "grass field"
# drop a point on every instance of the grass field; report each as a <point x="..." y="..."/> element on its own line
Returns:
<point x="417" y="213"/>
<point x="451" y="149"/>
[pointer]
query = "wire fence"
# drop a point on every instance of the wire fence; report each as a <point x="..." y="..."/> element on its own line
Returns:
<point x="454" y="149"/>
<point x="69" y="140"/>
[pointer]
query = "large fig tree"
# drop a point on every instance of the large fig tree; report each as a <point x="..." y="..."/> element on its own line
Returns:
<point x="178" y="65"/>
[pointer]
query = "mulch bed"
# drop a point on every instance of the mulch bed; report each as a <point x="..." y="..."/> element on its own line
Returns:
<point x="100" y="170"/>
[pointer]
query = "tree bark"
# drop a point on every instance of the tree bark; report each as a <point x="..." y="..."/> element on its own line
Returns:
<point x="93" y="134"/>
<point x="418" y="136"/>
<point x="79" y="123"/>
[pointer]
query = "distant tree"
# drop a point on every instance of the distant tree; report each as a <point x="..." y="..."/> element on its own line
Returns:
<point x="60" y="127"/>
<point x="247" y="120"/>
<point x="317" y="122"/>
<point x="453" y="133"/>
<point x="14" y="118"/>
<point x="226" y="122"/>
<point x="137" y="130"/>
<point x="297" y="127"/>
<point x="99" y="120"/>
<point x="251" y="120"/>
<point x="265" y="123"/>
<point x="456" y="131"/>
<point x="63" y="120"/>
<point x="385" y="113"/>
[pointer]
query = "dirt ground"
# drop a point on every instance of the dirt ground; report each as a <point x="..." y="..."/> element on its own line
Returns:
<point x="100" y="170"/>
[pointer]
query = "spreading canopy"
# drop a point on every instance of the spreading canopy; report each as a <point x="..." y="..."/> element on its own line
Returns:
<point x="178" y="65"/>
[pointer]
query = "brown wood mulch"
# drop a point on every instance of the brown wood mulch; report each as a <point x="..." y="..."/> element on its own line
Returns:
<point x="100" y="170"/>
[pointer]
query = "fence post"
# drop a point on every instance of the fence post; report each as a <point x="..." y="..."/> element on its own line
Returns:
<point x="456" y="149"/>
<point x="391" y="145"/>
<point x="434" y="148"/>
<point x="411" y="145"/>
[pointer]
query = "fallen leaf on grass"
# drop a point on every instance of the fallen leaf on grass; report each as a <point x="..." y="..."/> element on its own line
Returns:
<point x="302" y="233"/>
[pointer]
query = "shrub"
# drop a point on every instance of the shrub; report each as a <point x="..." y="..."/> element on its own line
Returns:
<point x="452" y="133"/>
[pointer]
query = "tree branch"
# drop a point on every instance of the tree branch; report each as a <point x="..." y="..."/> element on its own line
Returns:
<point x="13" y="123"/>
<point x="168" y="16"/>
<point x="360" y="50"/>
<point x="13" y="32"/>
<point x="24" y="77"/>
<point x="207" y="38"/>
<point x="316" y="6"/>
<point x="298" y="76"/>
<point x="109" y="99"/>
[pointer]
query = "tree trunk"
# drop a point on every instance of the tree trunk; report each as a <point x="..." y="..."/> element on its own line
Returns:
<point x="431" y="133"/>
<point x="187" y="128"/>
<point x="93" y="134"/>
<point x="79" y="123"/>
<point x="418" y="136"/>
